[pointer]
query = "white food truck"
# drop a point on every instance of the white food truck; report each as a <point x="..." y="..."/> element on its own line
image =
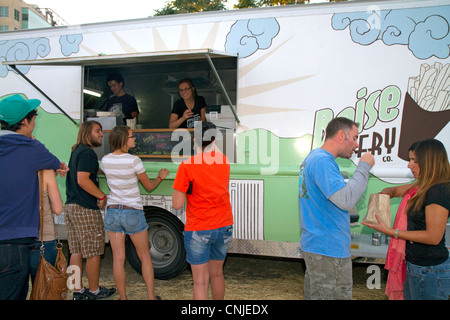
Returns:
<point x="272" y="78"/>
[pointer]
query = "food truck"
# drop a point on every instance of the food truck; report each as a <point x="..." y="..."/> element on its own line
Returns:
<point x="272" y="79"/>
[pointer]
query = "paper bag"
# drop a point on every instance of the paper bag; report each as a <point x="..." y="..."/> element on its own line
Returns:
<point x="379" y="204"/>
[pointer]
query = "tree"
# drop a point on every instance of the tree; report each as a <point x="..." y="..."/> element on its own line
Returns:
<point x="246" y="4"/>
<point x="271" y="3"/>
<point x="188" y="6"/>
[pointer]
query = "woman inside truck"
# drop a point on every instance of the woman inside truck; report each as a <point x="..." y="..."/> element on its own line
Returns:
<point x="189" y="108"/>
<point x="426" y="255"/>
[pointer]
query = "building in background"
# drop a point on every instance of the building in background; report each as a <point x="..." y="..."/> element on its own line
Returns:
<point x="17" y="14"/>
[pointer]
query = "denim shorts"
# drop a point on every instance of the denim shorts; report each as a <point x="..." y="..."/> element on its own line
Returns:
<point x="127" y="221"/>
<point x="205" y="245"/>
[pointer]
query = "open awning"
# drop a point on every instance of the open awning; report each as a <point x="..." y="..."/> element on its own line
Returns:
<point x="126" y="58"/>
<point x="130" y="58"/>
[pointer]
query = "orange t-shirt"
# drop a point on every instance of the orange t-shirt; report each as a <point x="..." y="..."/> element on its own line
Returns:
<point x="208" y="206"/>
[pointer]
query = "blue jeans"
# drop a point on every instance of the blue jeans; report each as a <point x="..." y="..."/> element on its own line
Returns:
<point x="14" y="269"/>
<point x="205" y="245"/>
<point x="427" y="283"/>
<point x="50" y="253"/>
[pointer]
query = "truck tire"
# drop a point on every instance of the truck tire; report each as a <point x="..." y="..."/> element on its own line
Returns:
<point x="165" y="236"/>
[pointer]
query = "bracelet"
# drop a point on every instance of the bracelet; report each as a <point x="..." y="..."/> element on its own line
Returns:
<point x="396" y="234"/>
<point x="158" y="177"/>
<point x="103" y="198"/>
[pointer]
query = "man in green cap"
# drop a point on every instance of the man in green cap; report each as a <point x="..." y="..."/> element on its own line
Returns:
<point x="21" y="157"/>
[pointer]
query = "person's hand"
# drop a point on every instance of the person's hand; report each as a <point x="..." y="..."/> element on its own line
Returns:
<point x="187" y="114"/>
<point x="101" y="203"/>
<point x="63" y="169"/>
<point x="379" y="226"/>
<point x="368" y="157"/>
<point x="163" y="173"/>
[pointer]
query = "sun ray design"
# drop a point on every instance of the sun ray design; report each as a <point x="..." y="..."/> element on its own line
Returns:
<point x="212" y="35"/>
<point x="91" y="51"/>
<point x="125" y="46"/>
<point x="184" y="38"/>
<point x="262" y="88"/>
<point x="158" y="41"/>
<point x="249" y="110"/>
<point x="252" y="65"/>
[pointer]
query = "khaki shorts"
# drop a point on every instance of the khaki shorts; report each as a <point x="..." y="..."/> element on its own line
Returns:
<point x="85" y="232"/>
<point x="327" y="278"/>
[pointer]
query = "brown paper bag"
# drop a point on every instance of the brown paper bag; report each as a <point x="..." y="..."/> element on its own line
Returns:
<point x="379" y="204"/>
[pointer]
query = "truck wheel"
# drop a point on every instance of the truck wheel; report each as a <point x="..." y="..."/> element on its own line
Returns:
<point x="165" y="236"/>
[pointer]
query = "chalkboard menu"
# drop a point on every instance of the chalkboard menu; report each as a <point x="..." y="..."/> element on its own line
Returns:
<point x="158" y="143"/>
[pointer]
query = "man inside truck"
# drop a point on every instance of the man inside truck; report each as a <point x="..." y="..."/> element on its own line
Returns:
<point x="121" y="102"/>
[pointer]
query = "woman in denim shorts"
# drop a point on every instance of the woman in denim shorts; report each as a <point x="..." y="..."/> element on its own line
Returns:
<point x="203" y="181"/>
<point x="124" y="214"/>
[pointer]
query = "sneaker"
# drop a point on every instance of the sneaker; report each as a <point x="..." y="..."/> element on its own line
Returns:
<point x="104" y="293"/>
<point x="77" y="295"/>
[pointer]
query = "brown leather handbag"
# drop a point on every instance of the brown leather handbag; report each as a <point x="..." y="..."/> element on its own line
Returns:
<point x="50" y="282"/>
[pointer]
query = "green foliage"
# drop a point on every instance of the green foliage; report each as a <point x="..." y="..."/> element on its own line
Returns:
<point x="189" y="6"/>
<point x="271" y="3"/>
<point x="246" y="4"/>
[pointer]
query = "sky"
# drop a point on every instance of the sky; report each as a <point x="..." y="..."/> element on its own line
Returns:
<point x="90" y="11"/>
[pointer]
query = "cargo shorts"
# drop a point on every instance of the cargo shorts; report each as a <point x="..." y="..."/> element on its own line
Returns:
<point x="85" y="231"/>
<point x="327" y="278"/>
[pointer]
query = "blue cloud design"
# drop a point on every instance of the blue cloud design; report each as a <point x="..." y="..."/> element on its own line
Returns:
<point x="248" y="36"/>
<point x="70" y="43"/>
<point x="24" y="49"/>
<point x="426" y="31"/>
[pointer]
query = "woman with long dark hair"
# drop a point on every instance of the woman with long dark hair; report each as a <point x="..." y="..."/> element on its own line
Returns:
<point x="427" y="258"/>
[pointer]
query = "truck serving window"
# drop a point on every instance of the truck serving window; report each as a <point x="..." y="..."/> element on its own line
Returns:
<point x="152" y="79"/>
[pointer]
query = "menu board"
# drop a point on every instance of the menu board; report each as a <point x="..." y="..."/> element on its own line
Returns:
<point x="156" y="143"/>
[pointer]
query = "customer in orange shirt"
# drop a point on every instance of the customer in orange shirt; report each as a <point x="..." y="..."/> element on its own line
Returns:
<point x="203" y="181"/>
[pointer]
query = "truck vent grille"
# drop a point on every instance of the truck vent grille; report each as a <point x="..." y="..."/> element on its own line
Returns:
<point x="247" y="204"/>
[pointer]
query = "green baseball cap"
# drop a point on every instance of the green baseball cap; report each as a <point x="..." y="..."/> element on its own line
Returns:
<point x="15" y="108"/>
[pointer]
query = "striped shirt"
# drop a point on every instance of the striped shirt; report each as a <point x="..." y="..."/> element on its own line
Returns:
<point x="121" y="173"/>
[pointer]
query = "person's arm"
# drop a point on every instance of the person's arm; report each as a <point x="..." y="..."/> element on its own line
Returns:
<point x="436" y="220"/>
<point x="180" y="187"/>
<point x="347" y="197"/>
<point x="176" y="121"/>
<point x="203" y="114"/>
<point x="203" y="105"/>
<point x="148" y="184"/>
<point x="89" y="186"/>
<point x="54" y="195"/>
<point x="178" y="199"/>
<point x="45" y="160"/>
<point x="397" y="191"/>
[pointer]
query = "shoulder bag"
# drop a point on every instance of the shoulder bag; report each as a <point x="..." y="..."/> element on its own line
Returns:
<point x="50" y="282"/>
